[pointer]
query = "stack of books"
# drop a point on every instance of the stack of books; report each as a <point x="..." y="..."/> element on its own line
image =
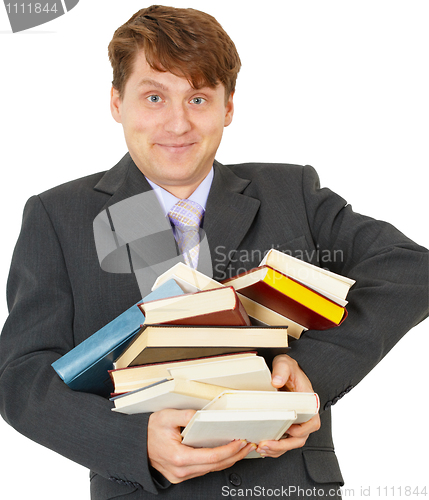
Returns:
<point x="232" y="394"/>
<point x="282" y="290"/>
<point x="199" y="324"/>
<point x="189" y="383"/>
<point x="191" y="338"/>
<point x="197" y="343"/>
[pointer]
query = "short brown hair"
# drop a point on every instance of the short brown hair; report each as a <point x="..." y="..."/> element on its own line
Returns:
<point x="186" y="42"/>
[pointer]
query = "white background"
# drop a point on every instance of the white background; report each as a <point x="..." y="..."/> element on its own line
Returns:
<point x="341" y="85"/>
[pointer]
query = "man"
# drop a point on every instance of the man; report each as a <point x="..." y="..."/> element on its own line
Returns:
<point x="174" y="80"/>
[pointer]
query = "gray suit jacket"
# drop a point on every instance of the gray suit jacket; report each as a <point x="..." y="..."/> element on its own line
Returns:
<point x="58" y="295"/>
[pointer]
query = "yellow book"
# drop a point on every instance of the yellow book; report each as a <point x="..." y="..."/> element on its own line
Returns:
<point x="288" y="297"/>
<point x="304" y="295"/>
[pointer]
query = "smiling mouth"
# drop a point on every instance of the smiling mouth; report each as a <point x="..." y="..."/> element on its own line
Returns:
<point x="176" y="148"/>
<point x="178" y="145"/>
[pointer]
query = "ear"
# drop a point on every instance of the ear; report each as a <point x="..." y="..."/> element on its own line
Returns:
<point x="115" y="105"/>
<point x="229" y="110"/>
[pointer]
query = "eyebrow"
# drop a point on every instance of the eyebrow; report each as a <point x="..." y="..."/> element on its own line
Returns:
<point x="152" y="83"/>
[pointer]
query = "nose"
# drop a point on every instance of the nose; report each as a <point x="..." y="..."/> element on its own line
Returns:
<point x="177" y="120"/>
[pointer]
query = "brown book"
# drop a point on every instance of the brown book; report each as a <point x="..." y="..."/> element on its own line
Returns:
<point x="158" y="343"/>
<point x="288" y="297"/>
<point x="220" y="307"/>
<point x="191" y="281"/>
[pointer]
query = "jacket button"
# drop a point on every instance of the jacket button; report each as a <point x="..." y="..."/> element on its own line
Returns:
<point x="235" y="479"/>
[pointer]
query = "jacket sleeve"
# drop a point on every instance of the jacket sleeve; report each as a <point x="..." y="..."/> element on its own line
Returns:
<point x="390" y="295"/>
<point x="33" y="399"/>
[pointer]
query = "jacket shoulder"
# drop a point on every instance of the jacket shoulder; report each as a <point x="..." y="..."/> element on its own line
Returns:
<point x="262" y="169"/>
<point x="81" y="185"/>
<point x="277" y="176"/>
<point x="76" y="197"/>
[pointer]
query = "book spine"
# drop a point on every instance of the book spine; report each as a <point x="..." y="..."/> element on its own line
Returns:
<point x="241" y="311"/>
<point x="98" y="345"/>
<point x="233" y="317"/>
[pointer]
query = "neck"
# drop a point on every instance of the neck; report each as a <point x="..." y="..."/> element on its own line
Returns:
<point x="181" y="192"/>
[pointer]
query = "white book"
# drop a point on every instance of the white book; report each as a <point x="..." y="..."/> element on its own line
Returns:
<point x="211" y="428"/>
<point x="136" y="377"/>
<point x="248" y="373"/>
<point x="331" y="285"/>
<point x="191" y="279"/>
<point x="305" y="404"/>
<point x="178" y="394"/>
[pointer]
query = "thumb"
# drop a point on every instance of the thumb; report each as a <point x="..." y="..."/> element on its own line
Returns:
<point x="176" y="418"/>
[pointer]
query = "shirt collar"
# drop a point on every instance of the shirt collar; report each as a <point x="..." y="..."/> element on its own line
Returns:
<point x="200" y="195"/>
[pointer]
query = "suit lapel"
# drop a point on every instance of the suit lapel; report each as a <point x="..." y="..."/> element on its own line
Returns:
<point x="122" y="181"/>
<point x="131" y="232"/>
<point x="228" y="216"/>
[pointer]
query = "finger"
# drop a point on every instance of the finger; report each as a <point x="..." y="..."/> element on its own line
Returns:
<point x="275" y="449"/>
<point x="210" y="456"/>
<point x="296" y="437"/>
<point x="301" y="430"/>
<point x="169" y="424"/>
<point x="180" y="472"/>
<point x="295" y="433"/>
<point x="173" y="418"/>
<point x="280" y="371"/>
<point x="287" y="373"/>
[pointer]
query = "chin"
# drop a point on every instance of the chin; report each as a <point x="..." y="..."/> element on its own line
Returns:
<point x="180" y="172"/>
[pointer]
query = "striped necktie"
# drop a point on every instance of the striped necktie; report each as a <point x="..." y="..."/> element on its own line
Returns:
<point x="186" y="216"/>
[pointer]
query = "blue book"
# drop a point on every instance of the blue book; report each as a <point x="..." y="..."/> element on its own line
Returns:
<point x="86" y="367"/>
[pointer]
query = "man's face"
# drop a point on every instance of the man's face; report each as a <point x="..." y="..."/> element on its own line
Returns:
<point x="172" y="130"/>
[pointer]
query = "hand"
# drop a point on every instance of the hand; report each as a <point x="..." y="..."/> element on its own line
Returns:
<point x="178" y="462"/>
<point x="287" y="375"/>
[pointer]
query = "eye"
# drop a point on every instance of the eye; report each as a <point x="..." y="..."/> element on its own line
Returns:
<point x="198" y="100"/>
<point x="154" y="98"/>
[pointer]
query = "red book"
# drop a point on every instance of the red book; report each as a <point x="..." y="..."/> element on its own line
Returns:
<point x="217" y="307"/>
<point x="288" y="297"/>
